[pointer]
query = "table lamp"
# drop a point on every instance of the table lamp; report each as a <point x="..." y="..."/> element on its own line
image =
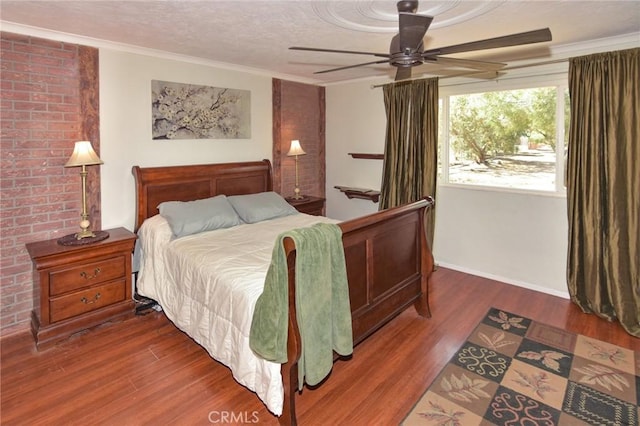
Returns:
<point x="296" y="150"/>
<point x="84" y="155"/>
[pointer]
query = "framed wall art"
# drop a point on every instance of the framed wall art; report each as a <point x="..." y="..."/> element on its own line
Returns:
<point x="189" y="111"/>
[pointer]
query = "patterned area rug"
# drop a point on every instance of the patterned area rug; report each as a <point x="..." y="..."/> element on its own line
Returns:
<point x="515" y="371"/>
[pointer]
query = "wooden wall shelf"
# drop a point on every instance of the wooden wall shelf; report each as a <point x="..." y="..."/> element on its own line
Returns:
<point x="367" y="156"/>
<point x="362" y="193"/>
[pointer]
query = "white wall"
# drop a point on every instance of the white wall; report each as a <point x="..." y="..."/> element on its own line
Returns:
<point x="125" y="124"/>
<point x="513" y="237"/>
<point x="356" y="122"/>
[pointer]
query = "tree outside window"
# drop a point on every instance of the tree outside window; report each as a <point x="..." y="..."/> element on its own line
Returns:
<point x="505" y="138"/>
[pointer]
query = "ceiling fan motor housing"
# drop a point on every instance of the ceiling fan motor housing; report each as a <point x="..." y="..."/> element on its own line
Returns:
<point x="408" y="6"/>
<point x="409" y="57"/>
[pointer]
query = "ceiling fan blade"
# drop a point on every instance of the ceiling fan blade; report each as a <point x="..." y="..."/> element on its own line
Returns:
<point x="488" y="75"/>
<point x="403" y="73"/>
<point x="353" y="52"/>
<point x="528" y="37"/>
<point x="412" y="29"/>
<point x="352" y="66"/>
<point x="466" y="63"/>
<point x="482" y="75"/>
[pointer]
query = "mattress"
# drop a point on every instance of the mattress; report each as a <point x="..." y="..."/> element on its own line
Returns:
<point x="208" y="284"/>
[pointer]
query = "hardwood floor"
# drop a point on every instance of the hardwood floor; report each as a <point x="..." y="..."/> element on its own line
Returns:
<point x="144" y="371"/>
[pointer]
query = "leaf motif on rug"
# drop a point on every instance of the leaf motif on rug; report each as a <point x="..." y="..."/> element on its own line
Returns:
<point x="548" y="358"/>
<point x="506" y="321"/>
<point x="615" y="356"/>
<point x="549" y="376"/>
<point x="594" y="374"/>
<point x="495" y="341"/>
<point x="463" y="388"/>
<point x="442" y="416"/>
<point x="537" y="382"/>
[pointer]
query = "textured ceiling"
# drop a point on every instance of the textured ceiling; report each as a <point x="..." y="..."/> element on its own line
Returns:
<point x="257" y="34"/>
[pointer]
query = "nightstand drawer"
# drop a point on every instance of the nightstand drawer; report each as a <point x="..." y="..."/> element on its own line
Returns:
<point x="90" y="299"/>
<point x="86" y="275"/>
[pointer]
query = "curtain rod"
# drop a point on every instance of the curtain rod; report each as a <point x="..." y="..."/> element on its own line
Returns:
<point x="472" y="73"/>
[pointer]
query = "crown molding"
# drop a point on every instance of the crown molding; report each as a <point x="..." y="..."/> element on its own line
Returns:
<point x="625" y="41"/>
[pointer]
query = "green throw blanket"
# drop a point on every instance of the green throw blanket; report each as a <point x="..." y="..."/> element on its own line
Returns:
<point x="322" y="303"/>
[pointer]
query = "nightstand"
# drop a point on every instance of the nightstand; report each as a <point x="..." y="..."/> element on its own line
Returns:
<point x="79" y="287"/>
<point x="308" y="205"/>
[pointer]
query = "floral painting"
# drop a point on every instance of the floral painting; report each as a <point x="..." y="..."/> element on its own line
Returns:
<point x="189" y="111"/>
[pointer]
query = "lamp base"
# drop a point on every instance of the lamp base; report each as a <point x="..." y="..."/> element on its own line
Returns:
<point x="297" y="198"/>
<point x="85" y="233"/>
<point x="72" y="239"/>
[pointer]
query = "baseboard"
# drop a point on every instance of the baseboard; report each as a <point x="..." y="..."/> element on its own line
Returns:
<point x="16" y="330"/>
<point x="529" y="286"/>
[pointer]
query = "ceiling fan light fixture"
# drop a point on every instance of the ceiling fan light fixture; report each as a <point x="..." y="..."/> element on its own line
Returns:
<point x="409" y="59"/>
<point x="406" y="62"/>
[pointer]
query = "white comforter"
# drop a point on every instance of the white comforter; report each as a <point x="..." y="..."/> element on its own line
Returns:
<point x="208" y="284"/>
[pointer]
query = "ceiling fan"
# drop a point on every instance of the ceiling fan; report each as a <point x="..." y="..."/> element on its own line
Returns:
<point x="407" y="50"/>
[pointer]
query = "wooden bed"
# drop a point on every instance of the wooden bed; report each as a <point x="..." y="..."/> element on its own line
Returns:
<point x="388" y="259"/>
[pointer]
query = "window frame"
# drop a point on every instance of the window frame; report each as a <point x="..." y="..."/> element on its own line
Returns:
<point x="556" y="76"/>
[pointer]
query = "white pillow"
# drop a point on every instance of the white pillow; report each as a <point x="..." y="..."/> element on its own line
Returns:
<point x="254" y="208"/>
<point x="191" y="217"/>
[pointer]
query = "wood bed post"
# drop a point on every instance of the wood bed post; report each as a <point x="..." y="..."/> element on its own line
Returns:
<point x="289" y="370"/>
<point x="426" y="264"/>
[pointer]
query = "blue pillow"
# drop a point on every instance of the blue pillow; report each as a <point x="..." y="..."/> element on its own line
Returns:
<point x="191" y="217"/>
<point x="254" y="208"/>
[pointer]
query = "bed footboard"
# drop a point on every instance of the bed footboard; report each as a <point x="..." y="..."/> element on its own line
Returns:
<point x="389" y="263"/>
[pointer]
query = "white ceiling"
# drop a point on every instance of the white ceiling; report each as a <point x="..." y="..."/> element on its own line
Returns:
<point x="256" y="34"/>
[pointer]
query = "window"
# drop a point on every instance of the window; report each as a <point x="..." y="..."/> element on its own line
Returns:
<point x="505" y="138"/>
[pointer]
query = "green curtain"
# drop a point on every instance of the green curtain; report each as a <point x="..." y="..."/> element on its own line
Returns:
<point x="603" y="186"/>
<point x="411" y="147"/>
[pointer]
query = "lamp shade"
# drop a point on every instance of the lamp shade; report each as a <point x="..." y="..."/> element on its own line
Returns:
<point x="83" y="155"/>
<point x="295" y="149"/>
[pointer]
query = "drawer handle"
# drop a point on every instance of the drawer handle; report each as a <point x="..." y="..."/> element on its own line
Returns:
<point x="86" y="276"/>
<point x="89" y="302"/>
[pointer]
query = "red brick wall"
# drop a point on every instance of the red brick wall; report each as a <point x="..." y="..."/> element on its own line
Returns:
<point x="40" y="119"/>
<point x="299" y="113"/>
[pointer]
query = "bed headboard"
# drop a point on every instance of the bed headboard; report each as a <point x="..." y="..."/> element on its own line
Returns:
<point x="155" y="185"/>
